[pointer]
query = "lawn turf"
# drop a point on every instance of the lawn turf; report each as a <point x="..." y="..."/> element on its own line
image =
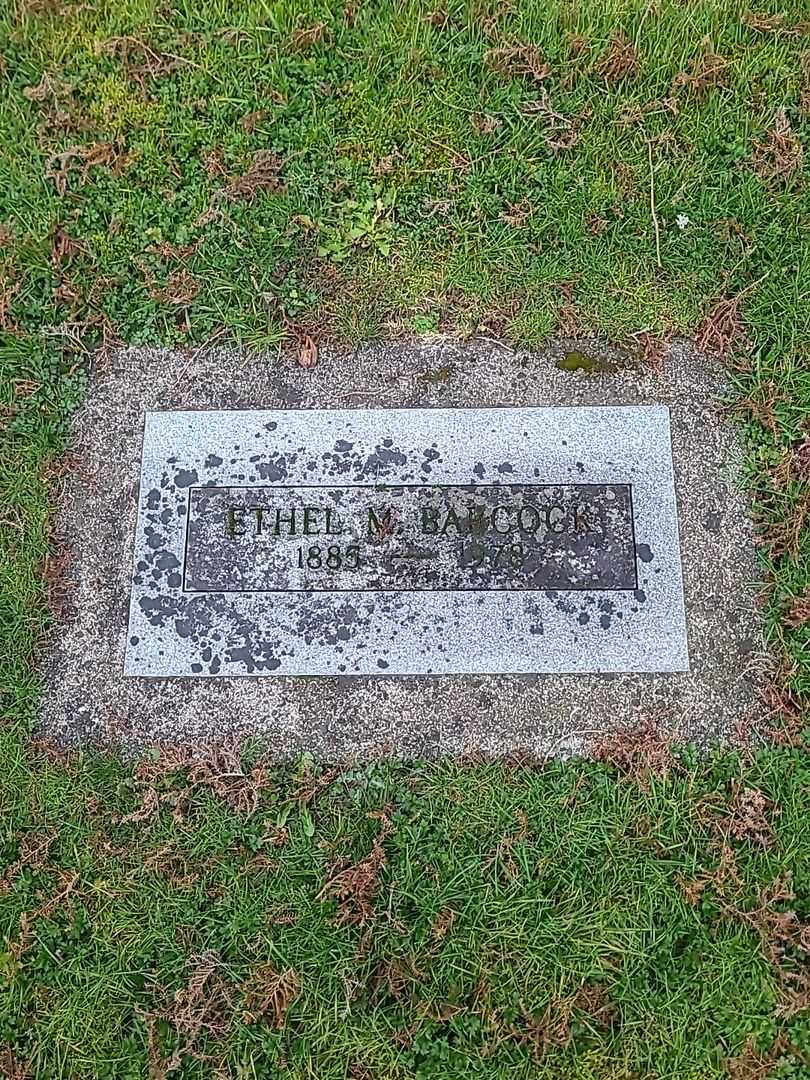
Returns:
<point x="270" y="172"/>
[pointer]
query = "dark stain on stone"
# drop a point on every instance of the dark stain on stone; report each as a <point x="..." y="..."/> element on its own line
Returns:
<point x="640" y="595"/>
<point x="644" y="552"/>
<point x="505" y="467"/>
<point x="153" y="499"/>
<point x="747" y="647"/>
<point x="244" y="654"/>
<point x="430" y="455"/>
<point x="157" y="608"/>
<point x="608" y="609"/>
<point x="273" y="470"/>
<point x="479" y="470"/>
<point x="213" y="461"/>
<point x="186" y="477"/>
<point x="382" y="458"/>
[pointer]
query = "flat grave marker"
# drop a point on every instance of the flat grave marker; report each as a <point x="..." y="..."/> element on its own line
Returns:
<point x="407" y="542"/>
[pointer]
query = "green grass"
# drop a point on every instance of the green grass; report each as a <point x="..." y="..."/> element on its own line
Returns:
<point x="415" y="178"/>
<point x="504" y="891"/>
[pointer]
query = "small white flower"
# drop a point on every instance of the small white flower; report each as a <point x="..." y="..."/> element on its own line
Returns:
<point x="682" y="221"/>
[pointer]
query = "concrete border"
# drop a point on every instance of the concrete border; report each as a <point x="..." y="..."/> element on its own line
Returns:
<point x="88" y="700"/>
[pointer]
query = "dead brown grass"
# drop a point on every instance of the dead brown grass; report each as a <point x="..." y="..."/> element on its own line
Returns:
<point x="804" y="93"/>
<point x="517" y="214"/>
<point x="59" y="166"/>
<point x="784" y="505"/>
<point x="784" y="938"/>
<point x="707" y="72"/>
<point x="55" y="576"/>
<point x="778" y="157"/>
<point x="355" y="886"/>
<point x="443" y="923"/>
<point x="760" y="406"/>
<point x="640" y="751"/>
<point x="396" y="978"/>
<point x="654" y="346"/>
<point x="310" y="784"/>
<point x="753" y="1064"/>
<point x="33" y="855"/>
<point x="264" y="174"/>
<point x="306" y="38"/>
<point x="562" y="132"/>
<point x="172" y="774"/>
<point x="798" y="612"/>
<point x="764" y="23"/>
<point x="11" y="1068"/>
<point x="788" y="710"/>
<point x="307" y="352"/>
<point x="180" y="289"/>
<point x="49" y="88"/>
<point x="722" y="332"/>
<point x="747" y="816"/>
<point x="484" y="123"/>
<point x="553" y="1028"/>
<point x="802" y="454"/>
<point x="725" y="873"/>
<point x="63" y="249"/>
<point x="269" y="994"/>
<point x="140" y="61"/>
<point x="501" y="856"/>
<point x="637" y="114"/>
<point x="619" y="61"/>
<point x="205" y="1006"/>
<point x="569" y="318"/>
<point x="518" y="61"/>
<point x="438" y="18"/>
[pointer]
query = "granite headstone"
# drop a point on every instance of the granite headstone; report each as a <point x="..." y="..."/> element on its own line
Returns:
<point x="407" y="542"/>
